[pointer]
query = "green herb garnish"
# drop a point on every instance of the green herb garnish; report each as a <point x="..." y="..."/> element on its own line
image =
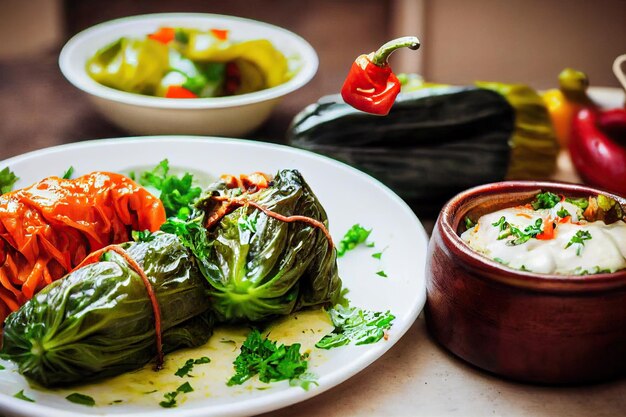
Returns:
<point x="272" y="362"/>
<point x="177" y="194"/>
<point x="582" y="202"/>
<point x="170" y="397"/>
<point x="354" y="325"/>
<point x="188" y="366"/>
<point x="506" y="229"/>
<point x="595" y="270"/>
<point x="68" y="173"/>
<point x="142" y="235"/>
<point x="469" y="223"/>
<point x="579" y="239"/>
<point x="545" y="200"/>
<point x="2" y="368"/>
<point x="382" y="274"/>
<point x="22" y="396"/>
<point x="500" y="261"/>
<point x="377" y="255"/>
<point x="81" y="399"/>
<point x="352" y="238"/>
<point x="7" y="180"/>
<point x="305" y="381"/>
<point x="192" y="235"/>
<point x="562" y="213"/>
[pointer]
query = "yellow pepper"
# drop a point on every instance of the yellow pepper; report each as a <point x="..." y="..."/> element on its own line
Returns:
<point x="269" y="66"/>
<point x="563" y="103"/>
<point x="133" y="65"/>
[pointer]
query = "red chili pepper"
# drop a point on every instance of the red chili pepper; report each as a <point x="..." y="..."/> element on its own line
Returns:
<point x="163" y="35"/>
<point x="221" y="34"/>
<point x="371" y="86"/>
<point x="598" y="148"/>
<point x="176" y="91"/>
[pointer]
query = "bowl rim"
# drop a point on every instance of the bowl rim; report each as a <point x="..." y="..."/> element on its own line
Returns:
<point x="492" y="270"/>
<point x="70" y="67"/>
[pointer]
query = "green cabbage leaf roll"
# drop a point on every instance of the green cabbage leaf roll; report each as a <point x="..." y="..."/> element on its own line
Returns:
<point x="98" y="321"/>
<point x="259" y="266"/>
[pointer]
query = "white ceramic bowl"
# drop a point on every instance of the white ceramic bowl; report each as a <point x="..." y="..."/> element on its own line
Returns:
<point x="220" y="116"/>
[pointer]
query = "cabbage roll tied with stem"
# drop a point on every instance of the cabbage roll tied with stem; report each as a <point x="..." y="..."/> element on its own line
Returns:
<point x="271" y="253"/>
<point x="100" y="320"/>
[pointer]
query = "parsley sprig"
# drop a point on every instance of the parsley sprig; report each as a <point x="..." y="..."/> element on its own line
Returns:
<point x="521" y="236"/>
<point x="189" y="364"/>
<point x="545" y="200"/>
<point x="170" y="397"/>
<point x="579" y="240"/>
<point x="354" y="325"/>
<point x="7" y="180"/>
<point x="353" y="237"/>
<point x="269" y="360"/>
<point x="177" y="194"/>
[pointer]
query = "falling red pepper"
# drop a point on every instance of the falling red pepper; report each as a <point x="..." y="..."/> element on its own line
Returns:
<point x="598" y="148"/>
<point x="371" y="86"/>
<point x="163" y="35"/>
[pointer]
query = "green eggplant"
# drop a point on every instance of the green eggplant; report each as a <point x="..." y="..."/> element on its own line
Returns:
<point x="434" y="143"/>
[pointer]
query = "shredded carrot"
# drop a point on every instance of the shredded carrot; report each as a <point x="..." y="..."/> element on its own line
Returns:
<point x="49" y="227"/>
<point x="526" y="215"/>
<point x="156" y="309"/>
<point x="548" y="230"/>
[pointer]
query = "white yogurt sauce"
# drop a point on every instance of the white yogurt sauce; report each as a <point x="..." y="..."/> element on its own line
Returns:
<point x="605" y="250"/>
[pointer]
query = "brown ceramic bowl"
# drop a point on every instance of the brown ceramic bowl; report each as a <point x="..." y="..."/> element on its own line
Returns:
<point x="550" y="329"/>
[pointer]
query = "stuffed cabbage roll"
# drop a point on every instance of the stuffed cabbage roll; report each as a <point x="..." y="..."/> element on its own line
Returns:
<point x="99" y="321"/>
<point x="261" y="266"/>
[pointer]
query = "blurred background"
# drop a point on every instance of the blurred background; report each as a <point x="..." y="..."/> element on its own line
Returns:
<point x="527" y="41"/>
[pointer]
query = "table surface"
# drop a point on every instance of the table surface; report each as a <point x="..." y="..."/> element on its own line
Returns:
<point x="38" y="108"/>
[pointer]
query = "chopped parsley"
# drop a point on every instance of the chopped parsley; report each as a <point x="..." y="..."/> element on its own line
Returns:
<point x="188" y="366"/>
<point x="270" y="361"/>
<point x="506" y="229"/>
<point x="192" y="235"/>
<point x="353" y="237"/>
<point x="469" y="223"/>
<point x="354" y="325"/>
<point x="377" y="255"/>
<point x="545" y="200"/>
<point x="81" y="399"/>
<point x="68" y="173"/>
<point x="579" y="239"/>
<point x="177" y="194"/>
<point x="562" y="213"/>
<point x="170" y="397"/>
<point x="7" y="180"/>
<point x="500" y="261"/>
<point x="142" y="235"/>
<point x="2" y="368"/>
<point x="382" y="274"/>
<point x="305" y="381"/>
<point x="22" y="396"/>
<point x="582" y="202"/>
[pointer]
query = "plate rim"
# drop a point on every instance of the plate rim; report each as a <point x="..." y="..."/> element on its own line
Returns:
<point x="279" y="399"/>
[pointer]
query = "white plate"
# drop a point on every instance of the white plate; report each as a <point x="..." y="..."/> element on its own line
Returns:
<point x="349" y="197"/>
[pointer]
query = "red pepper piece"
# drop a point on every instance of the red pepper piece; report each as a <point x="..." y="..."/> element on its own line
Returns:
<point x="221" y="34"/>
<point x="548" y="230"/>
<point x="163" y="35"/>
<point x="598" y="148"/>
<point x="371" y="86"/>
<point x="176" y="91"/>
